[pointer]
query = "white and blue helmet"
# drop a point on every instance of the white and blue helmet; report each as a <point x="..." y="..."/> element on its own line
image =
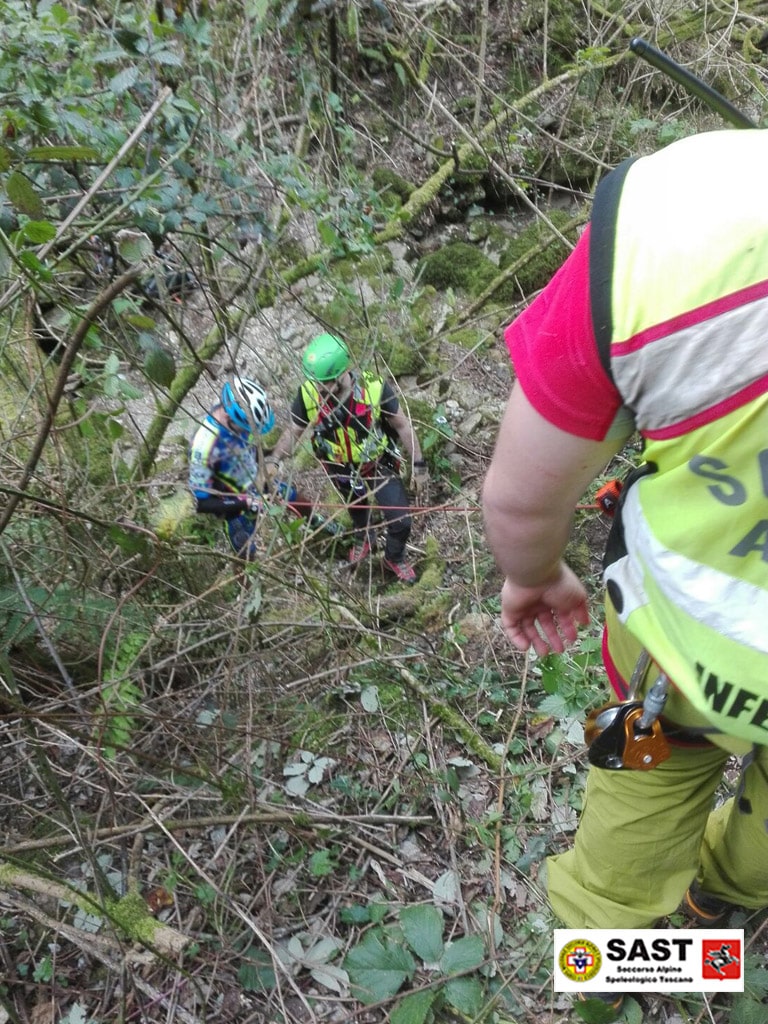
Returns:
<point x="246" y="404"/>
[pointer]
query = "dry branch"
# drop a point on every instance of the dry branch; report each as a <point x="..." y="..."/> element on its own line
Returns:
<point x="421" y="197"/>
<point x="107" y="951"/>
<point x="303" y="819"/>
<point x="128" y="915"/>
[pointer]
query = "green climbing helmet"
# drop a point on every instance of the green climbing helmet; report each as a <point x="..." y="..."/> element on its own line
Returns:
<point x="326" y="357"/>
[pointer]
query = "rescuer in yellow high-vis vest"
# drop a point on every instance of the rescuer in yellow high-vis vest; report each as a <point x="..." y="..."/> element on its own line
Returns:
<point x="657" y="323"/>
<point x="357" y="428"/>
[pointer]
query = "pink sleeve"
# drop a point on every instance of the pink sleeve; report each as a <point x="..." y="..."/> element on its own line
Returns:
<point x="553" y="348"/>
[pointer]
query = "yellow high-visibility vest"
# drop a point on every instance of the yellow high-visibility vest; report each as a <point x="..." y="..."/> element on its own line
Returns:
<point x="339" y="439"/>
<point x="679" y="288"/>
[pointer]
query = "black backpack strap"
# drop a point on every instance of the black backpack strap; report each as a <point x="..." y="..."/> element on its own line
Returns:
<point x="601" y="257"/>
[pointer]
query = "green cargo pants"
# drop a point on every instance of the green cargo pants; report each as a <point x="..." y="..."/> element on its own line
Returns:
<point x="644" y="836"/>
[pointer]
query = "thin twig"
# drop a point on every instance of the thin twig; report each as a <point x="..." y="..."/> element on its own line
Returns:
<point x="101" y="302"/>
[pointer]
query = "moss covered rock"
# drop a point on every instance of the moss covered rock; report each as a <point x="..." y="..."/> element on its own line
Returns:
<point x="400" y="355"/>
<point x="370" y="267"/>
<point x="473" y="338"/>
<point x="547" y="252"/>
<point x="394" y="189"/>
<point x="457" y="265"/>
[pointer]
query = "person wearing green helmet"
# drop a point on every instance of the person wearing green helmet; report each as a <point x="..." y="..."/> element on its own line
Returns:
<point x="325" y="358"/>
<point x="357" y="424"/>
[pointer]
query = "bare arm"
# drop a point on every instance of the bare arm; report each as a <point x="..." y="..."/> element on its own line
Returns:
<point x="537" y="475"/>
<point x="406" y="433"/>
<point x="287" y="441"/>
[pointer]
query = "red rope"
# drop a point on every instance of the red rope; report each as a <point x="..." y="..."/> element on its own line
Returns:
<point x="423" y="508"/>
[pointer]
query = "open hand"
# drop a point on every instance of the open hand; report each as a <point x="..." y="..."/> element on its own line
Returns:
<point x="546" y="616"/>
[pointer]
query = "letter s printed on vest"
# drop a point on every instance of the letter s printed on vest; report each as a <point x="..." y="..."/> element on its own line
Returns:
<point x="727" y="490"/>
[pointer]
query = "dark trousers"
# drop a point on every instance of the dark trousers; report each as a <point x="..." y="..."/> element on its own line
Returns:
<point x="380" y="487"/>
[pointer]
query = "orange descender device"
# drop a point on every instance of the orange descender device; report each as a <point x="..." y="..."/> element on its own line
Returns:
<point x="629" y="735"/>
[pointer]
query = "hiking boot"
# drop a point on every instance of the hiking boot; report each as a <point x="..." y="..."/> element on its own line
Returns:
<point x="359" y="552"/>
<point x="403" y="570"/>
<point x="614" y="1000"/>
<point x="704" y="909"/>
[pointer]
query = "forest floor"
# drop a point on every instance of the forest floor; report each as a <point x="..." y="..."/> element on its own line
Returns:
<point x="336" y="793"/>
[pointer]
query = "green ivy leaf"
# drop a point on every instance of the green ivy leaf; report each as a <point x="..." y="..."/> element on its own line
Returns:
<point x="257" y="975"/>
<point x="755" y="978"/>
<point x="23" y="197"/>
<point x="258" y="13"/>
<point x="550" y="673"/>
<point x="632" y="1011"/>
<point x="35" y="266"/>
<point x="413" y="1009"/>
<point x="76" y="1014"/>
<point x="125" y="389"/>
<point x="43" y="115"/>
<point x="134" y="246"/>
<point x="44" y="970"/>
<point x="377" y="970"/>
<point x="38" y="231"/>
<point x="128" y="542"/>
<point x="423" y="930"/>
<point x="160" y="367"/>
<point x="328" y="236"/>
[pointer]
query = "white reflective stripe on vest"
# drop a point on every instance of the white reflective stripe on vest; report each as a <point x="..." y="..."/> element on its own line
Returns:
<point x="687" y="367"/>
<point x="730" y="607"/>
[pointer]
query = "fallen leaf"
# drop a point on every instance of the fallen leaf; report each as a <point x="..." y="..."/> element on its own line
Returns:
<point x="157" y="899"/>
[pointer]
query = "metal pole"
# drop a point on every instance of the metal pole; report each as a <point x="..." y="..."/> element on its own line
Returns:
<point x="690" y="82"/>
